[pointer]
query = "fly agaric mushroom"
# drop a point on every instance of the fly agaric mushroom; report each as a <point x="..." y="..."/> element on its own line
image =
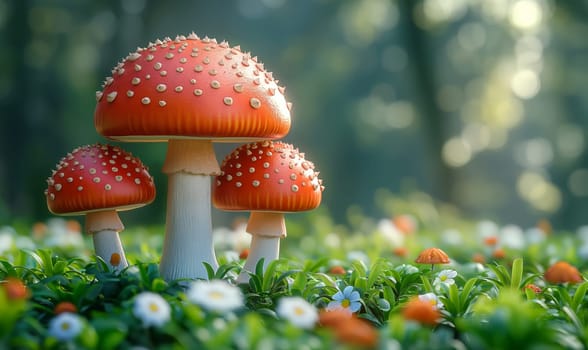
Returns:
<point x="268" y="179"/>
<point x="98" y="181"/>
<point x="190" y="92"/>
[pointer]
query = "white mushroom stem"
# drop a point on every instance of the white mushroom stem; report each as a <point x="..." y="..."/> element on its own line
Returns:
<point x="266" y="229"/>
<point x="188" y="238"/>
<point x="104" y="227"/>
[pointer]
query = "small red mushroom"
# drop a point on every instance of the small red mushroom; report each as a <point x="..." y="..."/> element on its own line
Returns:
<point x="268" y="179"/>
<point x="190" y="92"/>
<point x="97" y="181"/>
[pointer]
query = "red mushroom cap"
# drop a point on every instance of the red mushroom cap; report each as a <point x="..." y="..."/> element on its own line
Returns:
<point x="191" y="88"/>
<point x="98" y="177"/>
<point x="267" y="176"/>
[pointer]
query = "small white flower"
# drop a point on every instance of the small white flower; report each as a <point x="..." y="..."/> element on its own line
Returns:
<point x="534" y="235"/>
<point x="65" y="326"/>
<point x="298" y="311"/>
<point x="452" y="237"/>
<point x="445" y="277"/>
<point x="487" y="228"/>
<point x="6" y="240"/>
<point x="332" y="240"/>
<point x="152" y="309"/>
<point x="388" y="231"/>
<point x="433" y="299"/>
<point x="583" y="252"/>
<point x="215" y="295"/>
<point x="512" y="236"/>
<point x="582" y="233"/>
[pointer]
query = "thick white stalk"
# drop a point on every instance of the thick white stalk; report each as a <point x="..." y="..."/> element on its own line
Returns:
<point x="266" y="229"/>
<point x="109" y="247"/>
<point x="264" y="247"/>
<point x="188" y="237"/>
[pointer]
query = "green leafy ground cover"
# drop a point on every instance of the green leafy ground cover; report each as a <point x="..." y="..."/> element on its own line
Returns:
<point x="353" y="286"/>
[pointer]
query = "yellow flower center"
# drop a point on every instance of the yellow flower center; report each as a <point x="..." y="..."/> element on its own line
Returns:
<point x="65" y="326"/>
<point x="153" y="307"/>
<point x="443" y="278"/>
<point x="216" y="295"/>
<point x="345" y="303"/>
<point x="298" y="311"/>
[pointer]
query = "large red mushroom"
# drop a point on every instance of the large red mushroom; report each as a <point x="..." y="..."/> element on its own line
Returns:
<point x="190" y="92"/>
<point x="98" y="181"/>
<point x="268" y="179"/>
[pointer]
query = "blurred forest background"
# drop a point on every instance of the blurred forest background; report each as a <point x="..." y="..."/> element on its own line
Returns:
<point x="481" y="104"/>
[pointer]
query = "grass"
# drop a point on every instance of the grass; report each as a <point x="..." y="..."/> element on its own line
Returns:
<point x="498" y="297"/>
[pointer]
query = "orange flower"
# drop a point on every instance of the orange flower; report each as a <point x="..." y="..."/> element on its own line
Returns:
<point x="39" y="230"/>
<point x="432" y="256"/>
<point x="421" y="311"/>
<point x="562" y="272"/>
<point x="348" y="328"/>
<point x="65" y="306"/>
<point x="337" y="270"/>
<point x="498" y="253"/>
<point x="545" y="226"/>
<point x="15" y="289"/>
<point x="491" y="241"/>
<point x="533" y="287"/>
<point x="244" y="254"/>
<point x="73" y="226"/>
<point x="479" y="258"/>
<point x="400" y="251"/>
<point x="115" y="259"/>
<point x="405" y="223"/>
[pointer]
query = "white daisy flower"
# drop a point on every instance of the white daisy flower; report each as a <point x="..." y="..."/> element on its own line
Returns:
<point x="65" y="326"/>
<point x="215" y="295"/>
<point x="445" y="277"/>
<point x="512" y="236"/>
<point x="433" y="299"/>
<point x="152" y="309"/>
<point x="297" y="311"/>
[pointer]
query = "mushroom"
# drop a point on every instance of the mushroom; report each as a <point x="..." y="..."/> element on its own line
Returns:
<point x="190" y="92"/>
<point x="432" y="256"/>
<point x="98" y="181"/>
<point x="268" y="179"/>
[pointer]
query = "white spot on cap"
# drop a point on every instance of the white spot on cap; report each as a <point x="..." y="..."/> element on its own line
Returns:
<point x="138" y="181"/>
<point x="130" y="93"/>
<point x="198" y="68"/>
<point x="238" y="184"/>
<point x="294" y="188"/>
<point x="107" y="187"/>
<point x="135" y="81"/>
<point x="192" y="81"/>
<point x="58" y="187"/>
<point x="179" y="69"/>
<point x="80" y="188"/>
<point x="157" y="65"/>
<point x="228" y="101"/>
<point x="213" y="72"/>
<point x="255" y="183"/>
<point x="162" y="103"/>
<point x="161" y="87"/>
<point x="255" y="102"/>
<point x="111" y="96"/>
<point x="238" y="87"/>
<point x="183" y="60"/>
<point x="138" y="67"/>
<point x="134" y="56"/>
<point x="169" y="55"/>
<point x="96" y="179"/>
<point x="149" y="58"/>
<point x="197" y="92"/>
<point x="163" y="73"/>
<point x="145" y="100"/>
<point x="215" y="84"/>
<point x="98" y="95"/>
<point x="118" y="178"/>
<point x="179" y="88"/>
